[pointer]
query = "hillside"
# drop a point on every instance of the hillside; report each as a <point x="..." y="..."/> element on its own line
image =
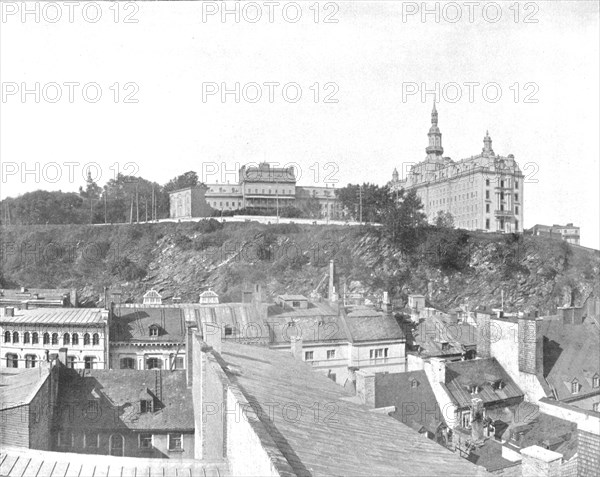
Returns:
<point x="184" y="259"/>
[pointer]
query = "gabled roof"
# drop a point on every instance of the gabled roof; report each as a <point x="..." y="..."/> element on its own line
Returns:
<point x="483" y="373"/>
<point x="346" y="438"/>
<point x="120" y="391"/>
<point x="19" y="386"/>
<point x="132" y="324"/>
<point x="430" y="333"/>
<point x="152" y="293"/>
<point x="57" y="316"/>
<point x="372" y="325"/>
<point x="570" y="352"/>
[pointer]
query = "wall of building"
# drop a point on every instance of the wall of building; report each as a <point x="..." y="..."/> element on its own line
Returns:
<point x="414" y="362"/>
<point x="40" y="350"/>
<point x="165" y="352"/>
<point x="14" y="427"/>
<point x="433" y="370"/>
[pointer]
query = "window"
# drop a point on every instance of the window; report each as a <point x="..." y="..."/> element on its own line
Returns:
<point x="65" y="439"/>
<point x="501" y="183"/>
<point x="465" y="420"/>
<point x="7" y="336"/>
<point x="89" y="362"/>
<point x="516" y="197"/>
<point x="487" y="208"/>
<point x="116" y="444"/>
<point x="414" y="383"/>
<point x="487" y="194"/>
<point x="153" y="363"/>
<point x="30" y="360"/>
<point x="228" y="330"/>
<point x="86" y="339"/>
<point x="516" y="184"/>
<point x="91" y="440"/>
<point x="330" y="354"/>
<point x="295" y="304"/>
<point x="127" y="363"/>
<point x="46" y="338"/>
<point x="516" y="209"/>
<point x="71" y="362"/>
<point x="75" y="339"/>
<point x="575" y="387"/>
<point x="596" y="381"/>
<point x="145" y="440"/>
<point x="95" y="339"/>
<point x="445" y="346"/>
<point x="175" y="442"/>
<point x="15" y="337"/>
<point x="66" y="339"/>
<point x="154" y="330"/>
<point x="378" y="353"/>
<point x="26" y="337"/>
<point x="501" y="195"/>
<point x="54" y="338"/>
<point x="596" y="406"/>
<point x="487" y="224"/>
<point x="309" y="355"/>
<point x="12" y="360"/>
<point x="178" y="364"/>
<point x="487" y="182"/>
<point x="146" y="405"/>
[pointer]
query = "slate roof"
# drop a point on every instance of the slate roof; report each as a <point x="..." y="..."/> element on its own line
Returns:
<point x="240" y="316"/>
<point x="17" y="462"/>
<point x="460" y="375"/>
<point x="413" y="404"/>
<point x="369" y="326"/>
<point x="57" y="316"/>
<point x="430" y="333"/>
<point x="132" y="324"/>
<point x="19" y="386"/>
<point x="119" y="391"/>
<point x="345" y="438"/>
<point x="311" y="329"/>
<point x="570" y="351"/>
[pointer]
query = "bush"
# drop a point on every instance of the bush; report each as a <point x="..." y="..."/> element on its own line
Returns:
<point x="127" y="270"/>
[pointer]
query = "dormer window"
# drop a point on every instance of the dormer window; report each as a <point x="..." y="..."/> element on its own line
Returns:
<point x="499" y="384"/>
<point x="146" y="401"/>
<point x="575" y="387"/>
<point x="445" y="346"/>
<point x="596" y="381"/>
<point x="414" y="383"/>
<point x="153" y="331"/>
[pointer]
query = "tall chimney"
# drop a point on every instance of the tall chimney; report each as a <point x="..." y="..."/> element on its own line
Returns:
<point x="531" y="345"/>
<point x="438" y="368"/>
<point x="332" y="295"/>
<point x="476" y="419"/>
<point x="387" y="304"/>
<point x="483" y="335"/>
<point x="365" y="387"/>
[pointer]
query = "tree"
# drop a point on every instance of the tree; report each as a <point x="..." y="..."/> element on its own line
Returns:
<point x="444" y="219"/>
<point x="91" y="194"/>
<point x="404" y="220"/>
<point x="366" y="202"/>
<point x="189" y="179"/>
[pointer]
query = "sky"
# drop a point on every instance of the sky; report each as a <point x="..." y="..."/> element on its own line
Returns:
<point x="341" y="90"/>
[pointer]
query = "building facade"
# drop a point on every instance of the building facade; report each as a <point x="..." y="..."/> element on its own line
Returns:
<point x="483" y="192"/>
<point x="263" y="187"/>
<point x="28" y="337"/>
<point x="569" y="233"/>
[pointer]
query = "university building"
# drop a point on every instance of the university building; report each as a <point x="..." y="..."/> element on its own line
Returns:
<point x="483" y="192"/>
<point x="261" y="187"/>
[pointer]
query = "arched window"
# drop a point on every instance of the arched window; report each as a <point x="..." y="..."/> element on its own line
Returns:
<point x="12" y="360"/>
<point x="116" y="444"/>
<point x="86" y="339"/>
<point x="7" y="336"/>
<point x="15" y="337"/>
<point x="66" y="339"/>
<point x="75" y="339"/>
<point x="46" y="338"/>
<point x="26" y="337"/>
<point x="34" y="338"/>
<point x="95" y="339"/>
<point x="54" y="338"/>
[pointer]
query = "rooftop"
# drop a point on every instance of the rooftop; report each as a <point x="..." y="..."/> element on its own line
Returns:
<point x="133" y="324"/>
<point x="57" y="316"/>
<point x="483" y="373"/>
<point x="19" y="386"/>
<point x="342" y="438"/>
<point x="119" y="393"/>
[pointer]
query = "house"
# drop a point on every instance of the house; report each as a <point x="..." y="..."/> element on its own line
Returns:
<point x="29" y="337"/>
<point x="122" y="412"/>
<point x="152" y="297"/>
<point x="209" y="297"/>
<point x="27" y="398"/>
<point x="147" y="337"/>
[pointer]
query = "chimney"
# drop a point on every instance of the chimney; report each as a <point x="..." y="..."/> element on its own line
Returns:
<point x="257" y="296"/>
<point x="387" y="304"/>
<point x="332" y="295"/>
<point x="540" y="462"/>
<point x="296" y="347"/>
<point x="365" y="387"/>
<point x="9" y="311"/>
<point x="62" y="356"/>
<point x="476" y="419"/>
<point x="483" y="335"/>
<point x="531" y="356"/>
<point x="73" y="298"/>
<point x="438" y="370"/>
<point x="211" y="333"/>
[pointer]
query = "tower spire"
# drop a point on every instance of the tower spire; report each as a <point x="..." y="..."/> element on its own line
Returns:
<point x="487" y="144"/>
<point x="435" y="149"/>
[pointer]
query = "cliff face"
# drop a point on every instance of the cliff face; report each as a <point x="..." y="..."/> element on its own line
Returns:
<point x="184" y="259"/>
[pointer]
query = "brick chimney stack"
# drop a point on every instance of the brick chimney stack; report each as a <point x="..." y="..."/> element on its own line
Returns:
<point x="365" y="387"/>
<point x="476" y="420"/>
<point x="531" y="350"/>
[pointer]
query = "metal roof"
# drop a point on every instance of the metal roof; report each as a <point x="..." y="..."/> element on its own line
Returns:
<point x="57" y="316"/>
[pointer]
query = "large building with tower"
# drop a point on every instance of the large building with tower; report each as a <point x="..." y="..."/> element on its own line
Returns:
<point x="482" y="192"/>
